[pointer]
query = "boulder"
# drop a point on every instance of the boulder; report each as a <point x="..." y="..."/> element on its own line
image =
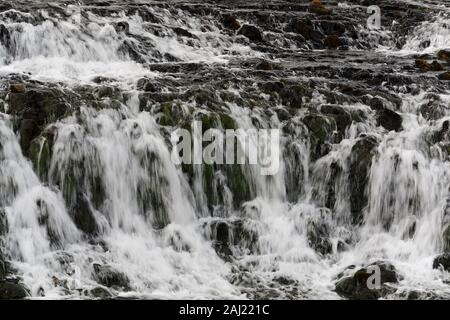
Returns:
<point x="332" y="42"/>
<point x="389" y="119"/>
<point x="230" y="22"/>
<point x="358" y="285"/>
<point x="110" y="277"/>
<point x="423" y="65"/>
<point x="12" y="290"/>
<point x="264" y="65"/>
<point x="17" y="88"/>
<point x="442" y="261"/>
<point x="319" y="9"/>
<point x="444" y="76"/>
<point x="361" y="157"/>
<point x="444" y="55"/>
<point x="251" y="32"/>
<point x="306" y="28"/>
<point x="436" y="66"/>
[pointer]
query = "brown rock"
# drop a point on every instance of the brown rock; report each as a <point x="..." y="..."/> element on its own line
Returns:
<point x="332" y="42"/>
<point x="423" y="65"/>
<point x="318" y="8"/>
<point x="264" y="65"/>
<point x="17" y="88"/>
<point x="230" y="22"/>
<point x="444" y="55"/>
<point x="436" y="66"/>
<point x="444" y="76"/>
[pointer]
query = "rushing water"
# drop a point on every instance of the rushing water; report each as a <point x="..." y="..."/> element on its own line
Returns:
<point x="156" y="225"/>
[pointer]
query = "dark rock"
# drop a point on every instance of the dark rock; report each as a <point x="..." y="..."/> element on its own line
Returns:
<point x="436" y="66"/>
<point x="318" y="235"/>
<point x="251" y="32"/>
<point x="356" y="287"/>
<point x="319" y="9"/>
<point x="321" y="129"/>
<point x="5" y="36"/>
<point x="423" y="65"/>
<point x="446" y="239"/>
<point x="442" y="261"/>
<point x="332" y="42"/>
<point x="389" y="119"/>
<point x="110" y="277"/>
<point x="444" y="55"/>
<point x="360" y="163"/>
<point x="183" y="32"/>
<point x="122" y="26"/>
<point x="100" y="293"/>
<point x="444" y="76"/>
<point x="342" y="117"/>
<point x="306" y="28"/>
<point x="11" y="290"/>
<point x="82" y="215"/>
<point x="230" y="22"/>
<point x="264" y="65"/>
<point x="146" y="85"/>
<point x="17" y="88"/>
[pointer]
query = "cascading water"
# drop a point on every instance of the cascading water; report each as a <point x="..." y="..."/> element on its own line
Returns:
<point x="92" y="205"/>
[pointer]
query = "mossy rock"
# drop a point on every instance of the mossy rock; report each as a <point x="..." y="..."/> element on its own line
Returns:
<point x="363" y="151"/>
<point x="40" y="156"/>
<point x="321" y="130"/>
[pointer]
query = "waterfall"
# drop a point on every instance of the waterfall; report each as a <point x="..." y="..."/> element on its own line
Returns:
<point x="95" y="207"/>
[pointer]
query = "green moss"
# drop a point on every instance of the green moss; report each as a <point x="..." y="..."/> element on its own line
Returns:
<point x="40" y="155"/>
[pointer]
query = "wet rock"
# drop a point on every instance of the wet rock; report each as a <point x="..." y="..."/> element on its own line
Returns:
<point x="110" y="277"/>
<point x="12" y="290"/>
<point x="230" y="22"/>
<point x="5" y="36"/>
<point x="434" y="109"/>
<point x="444" y="55"/>
<point x="306" y="28"/>
<point x="233" y="233"/>
<point x="446" y="239"/>
<point x="332" y="42"/>
<point x="321" y="129"/>
<point x="183" y="33"/>
<point x="264" y="65"/>
<point x="251" y="32"/>
<point x="389" y="119"/>
<point x="17" y="88"/>
<point x="122" y="26"/>
<point x="318" y="235"/>
<point x="442" y="261"/>
<point x="423" y="65"/>
<point x="341" y="116"/>
<point x="360" y="286"/>
<point x="360" y="163"/>
<point x="146" y="85"/>
<point x="83" y="216"/>
<point x="294" y="96"/>
<point x="436" y="66"/>
<point x="100" y="293"/>
<point x="444" y="76"/>
<point x="318" y="8"/>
